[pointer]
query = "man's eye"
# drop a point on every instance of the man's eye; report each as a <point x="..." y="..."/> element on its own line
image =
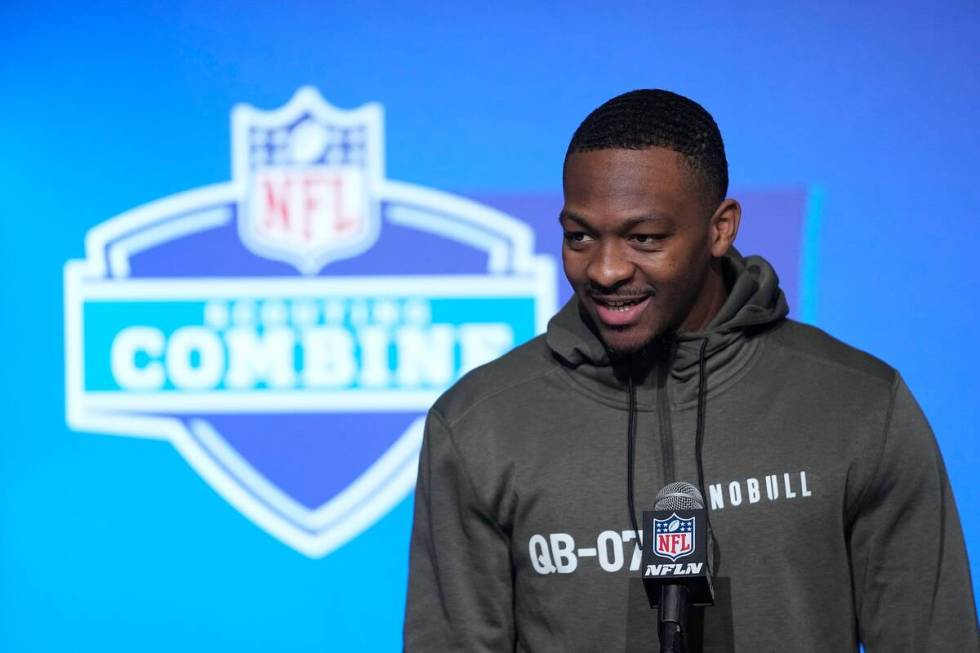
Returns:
<point x="646" y="239"/>
<point x="576" y="236"/>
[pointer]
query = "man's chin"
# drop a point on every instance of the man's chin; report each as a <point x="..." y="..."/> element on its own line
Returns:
<point x="623" y="344"/>
<point x="620" y="342"/>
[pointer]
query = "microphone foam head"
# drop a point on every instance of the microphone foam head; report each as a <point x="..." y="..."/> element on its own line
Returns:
<point x="680" y="495"/>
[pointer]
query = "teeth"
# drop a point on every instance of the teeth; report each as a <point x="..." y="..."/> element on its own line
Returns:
<point x="621" y="306"/>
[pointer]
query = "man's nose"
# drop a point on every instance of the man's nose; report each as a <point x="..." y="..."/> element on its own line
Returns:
<point x="611" y="266"/>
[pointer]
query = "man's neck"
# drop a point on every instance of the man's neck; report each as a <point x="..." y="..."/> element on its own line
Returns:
<point x="713" y="294"/>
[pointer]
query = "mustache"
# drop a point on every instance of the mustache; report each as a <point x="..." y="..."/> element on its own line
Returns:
<point x="620" y="294"/>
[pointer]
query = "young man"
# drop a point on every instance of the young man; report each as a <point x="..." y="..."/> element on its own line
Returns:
<point x="833" y="521"/>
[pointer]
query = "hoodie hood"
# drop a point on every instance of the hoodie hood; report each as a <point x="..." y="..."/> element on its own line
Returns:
<point x="754" y="300"/>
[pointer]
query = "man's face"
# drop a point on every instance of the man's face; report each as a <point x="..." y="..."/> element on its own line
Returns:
<point x="639" y="236"/>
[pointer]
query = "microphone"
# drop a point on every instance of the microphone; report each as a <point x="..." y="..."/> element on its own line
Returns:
<point x="677" y="549"/>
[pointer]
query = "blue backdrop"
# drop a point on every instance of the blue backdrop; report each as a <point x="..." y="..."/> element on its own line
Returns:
<point x="859" y="119"/>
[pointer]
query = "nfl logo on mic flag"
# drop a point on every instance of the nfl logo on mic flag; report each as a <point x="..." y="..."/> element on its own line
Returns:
<point x="288" y="330"/>
<point x="675" y="551"/>
<point x="674" y="537"/>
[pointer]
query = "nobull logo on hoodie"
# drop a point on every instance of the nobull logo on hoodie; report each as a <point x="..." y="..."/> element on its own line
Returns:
<point x="287" y="331"/>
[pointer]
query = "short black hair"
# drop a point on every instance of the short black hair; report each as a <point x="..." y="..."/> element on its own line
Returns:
<point x="657" y="118"/>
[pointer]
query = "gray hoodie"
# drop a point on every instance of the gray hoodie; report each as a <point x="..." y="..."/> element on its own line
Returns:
<point x="831" y="512"/>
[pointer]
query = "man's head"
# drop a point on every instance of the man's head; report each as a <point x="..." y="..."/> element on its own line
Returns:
<point x="645" y="217"/>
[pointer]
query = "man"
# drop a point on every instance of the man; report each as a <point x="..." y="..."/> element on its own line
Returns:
<point x="832" y="516"/>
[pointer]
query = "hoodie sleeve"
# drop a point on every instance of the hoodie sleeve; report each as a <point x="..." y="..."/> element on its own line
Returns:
<point x="459" y="582"/>
<point x="911" y="577"/>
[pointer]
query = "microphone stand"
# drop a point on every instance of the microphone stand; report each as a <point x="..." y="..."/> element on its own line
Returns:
<point x="673" y="618"/>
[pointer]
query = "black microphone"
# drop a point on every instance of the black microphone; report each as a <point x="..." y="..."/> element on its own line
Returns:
<point x="677" y="560"/>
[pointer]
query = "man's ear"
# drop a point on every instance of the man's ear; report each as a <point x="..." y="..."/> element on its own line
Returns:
<point x="724" y="226"/>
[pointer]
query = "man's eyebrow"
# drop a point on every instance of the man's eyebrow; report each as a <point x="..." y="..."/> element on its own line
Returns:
<point x="629" y="223"/>
<point x="660" y="218"/>
<point x="574" y="217"/>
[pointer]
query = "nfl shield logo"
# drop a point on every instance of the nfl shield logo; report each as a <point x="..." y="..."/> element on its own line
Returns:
<point x="673" y="537"/>
<point x="309" y="176"/>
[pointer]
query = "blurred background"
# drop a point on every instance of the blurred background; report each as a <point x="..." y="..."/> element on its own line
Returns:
<point x="851" y="133"/>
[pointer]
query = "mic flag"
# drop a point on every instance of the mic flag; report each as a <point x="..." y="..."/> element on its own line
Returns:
<point x="676" y="545"/>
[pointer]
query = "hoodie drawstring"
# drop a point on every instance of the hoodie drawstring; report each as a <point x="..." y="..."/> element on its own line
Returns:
<point x="699" y="446"/>
<point x="699" y="436"/>
<point x="631" y="452"/>
<point x="698" y="439"/>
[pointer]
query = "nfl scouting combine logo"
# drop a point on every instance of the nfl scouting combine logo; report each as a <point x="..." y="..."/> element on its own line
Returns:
<point x="287" y="330"/>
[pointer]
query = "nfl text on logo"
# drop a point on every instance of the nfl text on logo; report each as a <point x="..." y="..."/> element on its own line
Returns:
<point x="287" y="330"/>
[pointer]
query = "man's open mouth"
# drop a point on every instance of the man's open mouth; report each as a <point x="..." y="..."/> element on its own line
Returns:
<point x="619" y="311"/>
<point x="619" y="304"/>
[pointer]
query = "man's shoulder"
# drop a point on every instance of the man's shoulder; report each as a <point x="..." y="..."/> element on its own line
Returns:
<point x="495" y="380"/>
<point x="823" y="350"/>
